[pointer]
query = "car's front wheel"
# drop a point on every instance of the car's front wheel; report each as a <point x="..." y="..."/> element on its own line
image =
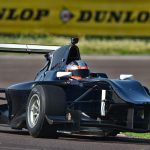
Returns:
<point x="35" y="118"/>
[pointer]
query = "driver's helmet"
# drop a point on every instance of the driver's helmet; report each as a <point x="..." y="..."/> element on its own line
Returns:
<point x="79" y="69"/>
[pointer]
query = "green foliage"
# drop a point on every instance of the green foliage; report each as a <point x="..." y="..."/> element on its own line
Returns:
<point x="87" y="45"/>
<point x="138" y="135"/>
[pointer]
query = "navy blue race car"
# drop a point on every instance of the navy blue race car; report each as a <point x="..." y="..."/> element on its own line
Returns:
<point x="66" y="97"/>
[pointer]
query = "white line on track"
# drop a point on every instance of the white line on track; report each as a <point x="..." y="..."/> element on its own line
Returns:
<point x="16" y="148"/>
<point x="93" y="57"/>
<point x="90" y="57"/>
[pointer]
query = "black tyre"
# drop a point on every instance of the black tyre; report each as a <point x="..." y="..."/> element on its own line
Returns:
<point x="36" y="122"/>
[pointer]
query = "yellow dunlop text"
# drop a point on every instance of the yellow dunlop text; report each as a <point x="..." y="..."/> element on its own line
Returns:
<point x="81" y="17"/>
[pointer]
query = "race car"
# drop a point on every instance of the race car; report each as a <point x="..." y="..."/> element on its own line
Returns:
<point x="66" y="97"/>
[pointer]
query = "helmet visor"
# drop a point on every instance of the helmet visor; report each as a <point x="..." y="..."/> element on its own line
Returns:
<point x="81" y="73"/>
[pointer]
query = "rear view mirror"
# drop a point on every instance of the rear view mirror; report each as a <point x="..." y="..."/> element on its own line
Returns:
<point x="64" y="74"/>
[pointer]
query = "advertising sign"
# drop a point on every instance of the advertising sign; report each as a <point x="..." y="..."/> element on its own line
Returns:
<point x="84" y="17"/>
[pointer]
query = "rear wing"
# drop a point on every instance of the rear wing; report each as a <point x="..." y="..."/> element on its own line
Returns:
<point x="20" y="48"/>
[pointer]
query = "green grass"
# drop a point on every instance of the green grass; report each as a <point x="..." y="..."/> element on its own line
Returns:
<point x="88" y="45"/>
<point x="138" y="135"/>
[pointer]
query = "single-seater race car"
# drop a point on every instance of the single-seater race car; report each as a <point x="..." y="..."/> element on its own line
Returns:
<point x="66" y="97"/>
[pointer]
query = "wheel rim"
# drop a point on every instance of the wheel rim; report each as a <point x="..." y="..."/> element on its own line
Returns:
<point x="33" y="110"/>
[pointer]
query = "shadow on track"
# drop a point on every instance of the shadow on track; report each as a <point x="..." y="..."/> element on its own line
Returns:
<point x="8" y="130"/>
<point x="117" y="139"/>
<point x="18" y="132"/>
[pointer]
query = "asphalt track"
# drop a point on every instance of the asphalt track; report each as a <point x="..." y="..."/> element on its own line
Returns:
<point x="15" y="69"/>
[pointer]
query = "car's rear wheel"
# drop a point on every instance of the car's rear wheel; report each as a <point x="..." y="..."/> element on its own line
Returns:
<point x="35" y="120"/>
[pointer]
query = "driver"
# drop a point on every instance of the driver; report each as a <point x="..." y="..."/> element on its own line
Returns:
<point x="79" y="69"/>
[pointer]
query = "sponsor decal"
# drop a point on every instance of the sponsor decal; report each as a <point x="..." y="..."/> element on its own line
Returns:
<point x="66" y="15"/>
<point x="114" y="16"/>
<point x="25" y="14"/>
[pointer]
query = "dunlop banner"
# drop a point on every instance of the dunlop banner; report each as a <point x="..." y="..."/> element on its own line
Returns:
<point x="81" y="17"/>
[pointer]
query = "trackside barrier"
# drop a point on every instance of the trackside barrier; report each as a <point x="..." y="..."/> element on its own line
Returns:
<point x="84" y="17"/>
